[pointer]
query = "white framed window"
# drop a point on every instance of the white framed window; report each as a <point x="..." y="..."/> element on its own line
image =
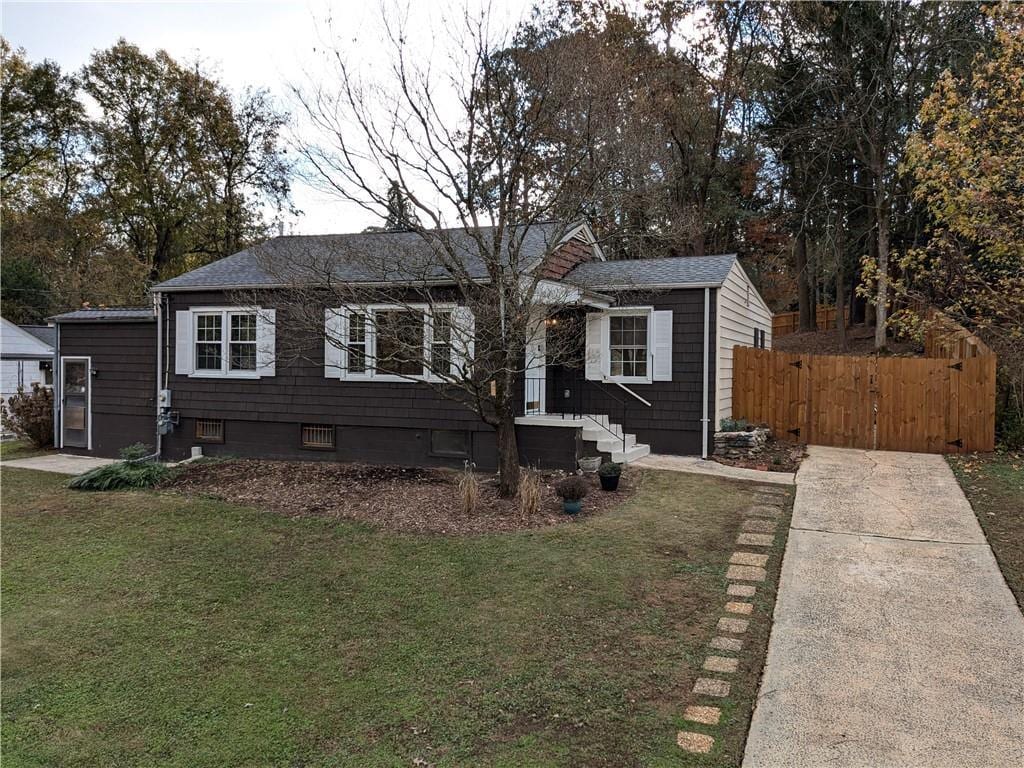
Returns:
<point x="233" y="342"/>
<point x="629" y="345"/>
<point x="397" y="342"/>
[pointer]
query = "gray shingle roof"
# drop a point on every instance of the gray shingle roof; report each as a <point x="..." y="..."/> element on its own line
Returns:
<point x="106" y="314"/>
<point x="641" y="273"/>
<point x="45" y="333"/>
<point x="365" y="257"/>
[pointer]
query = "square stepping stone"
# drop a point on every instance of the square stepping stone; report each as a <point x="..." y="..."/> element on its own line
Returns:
<point x="748" y="558"/>
<point x="708" y="686"/>
<point x="736" y="626"/>
<point x="756" y="525"/>
<point x="738" y="606"/>
<point x="721" y="664"/>
<point x="755" y="539"/>
<point x="706" y="715"/>
<point x="764" y="510"/>
<point x="700" y="743"/>
<point x="746" y="573"/>
<point x="741" y="590"/>
<point x="733" y="644"/>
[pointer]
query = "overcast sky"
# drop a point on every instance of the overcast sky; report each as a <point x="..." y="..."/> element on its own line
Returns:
<point x="259" y="44"/>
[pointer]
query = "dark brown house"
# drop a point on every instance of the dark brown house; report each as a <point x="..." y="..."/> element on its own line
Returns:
<point x="204" y="367"/>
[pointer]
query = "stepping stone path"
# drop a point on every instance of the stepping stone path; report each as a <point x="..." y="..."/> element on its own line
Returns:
<point x="700" y="743"/>
<point x="757" y="530"/>
<point x="749" y="558"/>
<point x="708" y="686"/>
<point x="733" y="644"/>
<point x="741" y="590"/>
<point x="705" y="715"/>
<point x="721" y="664"/>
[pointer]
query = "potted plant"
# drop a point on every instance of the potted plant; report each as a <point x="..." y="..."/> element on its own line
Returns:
<point x="610" y="472"/>
<point x="572" y="490"/>
<point x="589" y="463"/>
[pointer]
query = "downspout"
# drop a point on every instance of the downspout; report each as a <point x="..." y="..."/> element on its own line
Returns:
<point x="158" y="300"/>
<point x="704" y="399"/>
<point x="57" y="383"/>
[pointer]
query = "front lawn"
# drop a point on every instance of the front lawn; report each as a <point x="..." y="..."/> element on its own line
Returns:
<point x="145" y="628"/>
<point x="994" y="484"/>
<point x="20" y="449"/>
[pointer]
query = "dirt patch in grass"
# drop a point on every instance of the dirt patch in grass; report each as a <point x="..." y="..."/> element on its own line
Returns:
<point x="407" y="499"/>
<point x="994" y="484"/>
<point x="776" y="456"/>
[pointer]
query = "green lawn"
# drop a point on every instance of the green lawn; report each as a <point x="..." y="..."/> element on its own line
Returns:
<point x="147" y="629"/>
<point x="994" y="484"/>
<point x="20" y="449"/>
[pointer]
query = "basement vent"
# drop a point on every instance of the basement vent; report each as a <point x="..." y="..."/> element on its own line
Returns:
<point x="318" y="436"/>
<point x="210" y="430"/>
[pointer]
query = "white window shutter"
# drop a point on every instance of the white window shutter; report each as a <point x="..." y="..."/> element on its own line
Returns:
<point x="463" y="344"/>
<point x="662" y="365"/>
<point x="334" y="335"/>
<point x="266" y="347"/>
<point x="596" y="347"/>
<point x="183" y="342"/>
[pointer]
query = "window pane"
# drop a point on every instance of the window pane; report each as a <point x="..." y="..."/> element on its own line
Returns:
<point x="356" y="328"/>
<point x="243" y="357"/>
<point x="208" y="357"/>
<point x="628" y="345"/>
<point x="400" y="342"/>
<point x="208" y="328"/>
<point x="243" y="327"/>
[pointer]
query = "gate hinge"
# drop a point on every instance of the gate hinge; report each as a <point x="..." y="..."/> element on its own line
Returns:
<point x="794" y="432"/>
<point x="958" y="442"/>
<point x="798" y="364"/>
<point x="958" y="366"/>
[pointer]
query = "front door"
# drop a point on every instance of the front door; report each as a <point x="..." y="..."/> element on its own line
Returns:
<point x="536" y="369"/>
<point x="74" y="411"/>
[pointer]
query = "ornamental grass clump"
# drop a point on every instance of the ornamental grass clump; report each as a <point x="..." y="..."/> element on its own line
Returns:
<point x="121" y="476"/>
<point x="529" y="492"/>
<point x="469" y="488"/>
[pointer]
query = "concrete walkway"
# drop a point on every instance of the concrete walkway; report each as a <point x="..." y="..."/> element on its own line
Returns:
<point x="896" y="640"/>
<point x="61" y="463"/>
<point x="700" y="466"/>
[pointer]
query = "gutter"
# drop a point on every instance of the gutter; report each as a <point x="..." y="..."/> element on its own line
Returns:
<point x="158" y="302"/>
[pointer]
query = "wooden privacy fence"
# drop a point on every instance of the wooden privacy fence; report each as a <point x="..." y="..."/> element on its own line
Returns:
<point x="785" y="323"/>
<point x="929" y="405"/>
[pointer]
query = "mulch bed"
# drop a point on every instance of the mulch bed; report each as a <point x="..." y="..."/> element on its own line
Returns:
<point x="860" y="341"/>
<point x="408" y="499"/>
<point x="776" y="456"/>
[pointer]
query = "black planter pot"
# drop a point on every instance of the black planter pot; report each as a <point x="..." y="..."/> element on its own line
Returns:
<point x="610" y="482"/>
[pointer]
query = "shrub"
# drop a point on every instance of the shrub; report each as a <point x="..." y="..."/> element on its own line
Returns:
<point x="29" y="415"/>
<point x="529" y="492"/>
<point x="734" y="425"/>
<point x="572" y="488"/>
<point x="121" y="476"/>
<point x="610" y="469"/>
<point x="134" y="452"/>
<point x="469" y="488"/>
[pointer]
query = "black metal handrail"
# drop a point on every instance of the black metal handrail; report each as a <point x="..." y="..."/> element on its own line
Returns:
<point x="582" y="388"/>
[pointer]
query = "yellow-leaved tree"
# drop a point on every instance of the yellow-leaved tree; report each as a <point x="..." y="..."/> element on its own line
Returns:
<point x="967" y="163"/>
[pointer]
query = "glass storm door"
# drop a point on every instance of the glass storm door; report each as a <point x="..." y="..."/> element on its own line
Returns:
<point x="75" y="403"/>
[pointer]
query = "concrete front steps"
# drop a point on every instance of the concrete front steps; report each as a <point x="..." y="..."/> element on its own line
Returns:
<point x="597" y="429"/>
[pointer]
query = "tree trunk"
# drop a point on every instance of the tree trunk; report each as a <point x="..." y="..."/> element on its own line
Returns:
<point x="508" y="456"/>
<point x="808" y="321"/>
<point x="882" y="222"/>
<point x="840" y="287"/>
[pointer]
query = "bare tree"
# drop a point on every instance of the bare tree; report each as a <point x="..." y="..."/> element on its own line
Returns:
<point x="467" y="152"/>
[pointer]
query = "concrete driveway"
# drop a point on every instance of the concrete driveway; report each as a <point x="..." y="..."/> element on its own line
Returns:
<point x="896" y="640"/>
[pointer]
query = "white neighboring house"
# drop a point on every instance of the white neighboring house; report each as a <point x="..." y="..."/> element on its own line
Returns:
<point x="744" y="320"/>
<point x="26" y="356"/>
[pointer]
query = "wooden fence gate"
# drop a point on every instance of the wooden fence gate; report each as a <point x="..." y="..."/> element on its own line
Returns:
<point x="930" y="405"/>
